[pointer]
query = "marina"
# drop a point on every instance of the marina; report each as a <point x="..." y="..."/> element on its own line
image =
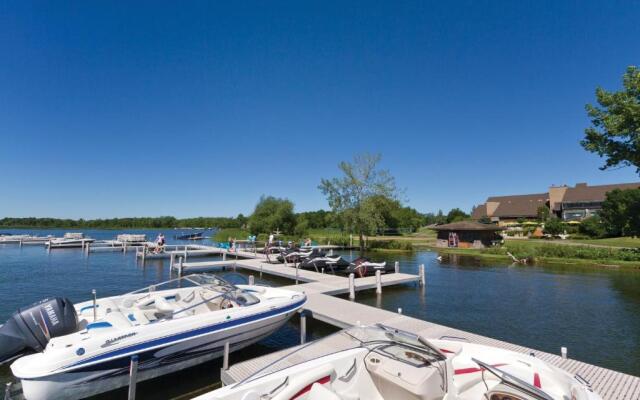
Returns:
<point x="334" y="300"/>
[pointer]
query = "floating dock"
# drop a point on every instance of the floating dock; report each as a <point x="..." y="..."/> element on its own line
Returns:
<point x="321" y="305"/>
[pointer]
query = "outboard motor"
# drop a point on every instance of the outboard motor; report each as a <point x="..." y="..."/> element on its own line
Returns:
<point x="30" y="328"/>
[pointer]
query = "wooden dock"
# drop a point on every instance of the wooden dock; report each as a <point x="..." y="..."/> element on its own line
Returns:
<point x="319" y="288"/>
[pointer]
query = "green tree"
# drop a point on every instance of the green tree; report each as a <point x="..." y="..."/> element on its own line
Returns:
<point x="543" y="213"/>
<point x="456" y="215"/>
<point x="620" y="212"/>
<point x="352" y="195"/>
<point x="615" y="130"/>
<point x="272" y="214"/>
<point x="592" y="227"/>
<point x="553" y="226"/>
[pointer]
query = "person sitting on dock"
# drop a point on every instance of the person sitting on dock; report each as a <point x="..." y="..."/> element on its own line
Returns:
<point x="307" y="242"/>
<point x="160" y="241"/>
<point x="232" y="244"/>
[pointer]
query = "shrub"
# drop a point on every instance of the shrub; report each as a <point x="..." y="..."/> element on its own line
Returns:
<point x="553" y="227"/>
<point x="390" y="245"/>
<point x="592" y="227"/>
<point x="224" y="234"/>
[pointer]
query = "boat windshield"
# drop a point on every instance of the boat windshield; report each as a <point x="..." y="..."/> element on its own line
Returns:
<point x="374" y="336"/>
<point x="513" y="381"/>
<point x="380" y="333"/>
<point x="205" y="281"/>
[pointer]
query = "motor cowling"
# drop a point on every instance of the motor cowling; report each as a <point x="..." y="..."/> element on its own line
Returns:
<point x="31" y="328"/>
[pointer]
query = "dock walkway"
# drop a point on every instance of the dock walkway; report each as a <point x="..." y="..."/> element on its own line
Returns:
<point x="320" y="288"/>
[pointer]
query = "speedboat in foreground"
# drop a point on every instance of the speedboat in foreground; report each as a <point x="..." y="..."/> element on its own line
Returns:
<point x="383" y="363"/>
<point x="85" y="349"/>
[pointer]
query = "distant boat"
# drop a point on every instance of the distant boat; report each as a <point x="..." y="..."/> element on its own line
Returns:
<point x="191" y="236"/>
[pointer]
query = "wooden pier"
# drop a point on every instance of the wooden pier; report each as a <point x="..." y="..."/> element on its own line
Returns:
<point x="321" y="305"/>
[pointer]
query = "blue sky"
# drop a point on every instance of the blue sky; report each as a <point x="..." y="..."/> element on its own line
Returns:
<point x="197" y="108"/>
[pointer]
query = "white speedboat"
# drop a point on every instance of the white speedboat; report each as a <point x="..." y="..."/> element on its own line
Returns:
<point x="82" y="350"/>
<point x="70" y="240"/>
<point x="382" y="363"/>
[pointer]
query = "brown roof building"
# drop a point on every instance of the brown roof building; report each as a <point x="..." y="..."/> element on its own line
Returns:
<point x="568" y="203"/>
<point x="467" y="234"/>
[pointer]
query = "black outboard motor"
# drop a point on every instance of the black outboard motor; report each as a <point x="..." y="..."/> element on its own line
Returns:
<point x="30" y="328"/>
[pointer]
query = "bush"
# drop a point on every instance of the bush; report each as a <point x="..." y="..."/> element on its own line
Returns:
<point x="224" y="234"/>
<point x="592" y="227"/>
<point x="390" y="245"/>
<point x="548" y="250"/>
<point x="553" y="227"/>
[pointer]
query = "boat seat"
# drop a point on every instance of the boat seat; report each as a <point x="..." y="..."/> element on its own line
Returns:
<point x="321" y="392"/>
<point x="163" y="306"/>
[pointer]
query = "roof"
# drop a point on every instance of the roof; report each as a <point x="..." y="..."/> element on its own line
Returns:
<point x="524" y="205"/>
<point x="479" y="211"/>
<point x="583" y="192"/>
<point x="467" y="226"/>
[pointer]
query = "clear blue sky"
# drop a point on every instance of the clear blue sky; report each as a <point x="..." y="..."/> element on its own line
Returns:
<point x="197" y="108"/>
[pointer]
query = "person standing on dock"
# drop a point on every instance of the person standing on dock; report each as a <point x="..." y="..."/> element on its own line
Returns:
<point x="160" y="241"/>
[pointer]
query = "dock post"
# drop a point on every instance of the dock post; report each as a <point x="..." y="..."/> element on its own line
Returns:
<point x="95" y="304"/>
<point x="399" y="310"/>
<point x="172" y="260"/>
<point x="224" y="256"/>
<point x="352" y="286"/>
<point x="397" y="267"/>
<point x="144" y="252"/>
<point x="7" y="391"/>
<point x="133" y="376"/>
<point x="421" y="275"/>
<point x="322" y="270"/>
<point x="260" y="271"/>
<point x="86" y="248"/>
<point x="563" y="352"/>
<point x="124" y="247"/>
<point x="252" y="280"/>
<point x="225" y="358"/>
<point x="378" y="282"/>
<point x="179" y="266"/>
<point x="185" y="253"/>
<point x="303" y="327"/>
<point x="296" y="274"/>
<point x="20" y="242"/>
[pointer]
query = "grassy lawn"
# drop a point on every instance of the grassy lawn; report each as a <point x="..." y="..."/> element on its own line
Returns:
<point x="614" y="242"/>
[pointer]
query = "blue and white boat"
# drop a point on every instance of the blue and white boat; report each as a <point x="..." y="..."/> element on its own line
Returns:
<point x="82" y="350"/>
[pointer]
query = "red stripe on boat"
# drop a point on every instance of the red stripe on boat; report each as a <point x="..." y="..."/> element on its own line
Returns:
<point x="472" y="370"/>
<point x="446" y="351"/>
<point x="536" y="381"/>
<point x="307" y="388"/>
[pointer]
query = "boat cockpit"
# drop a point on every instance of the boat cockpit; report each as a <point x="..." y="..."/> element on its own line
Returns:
<point x="177" y="298"/>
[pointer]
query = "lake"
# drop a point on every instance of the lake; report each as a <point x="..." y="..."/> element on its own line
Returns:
<point x="592" y="312"/>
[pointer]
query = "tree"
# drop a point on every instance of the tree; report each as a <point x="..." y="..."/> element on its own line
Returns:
<point x="592" y="227"/>
<point x="272" y="214"/>
<point x="543" y="213"/>
<point x="615" y="130"/>
<point x="553" y="226"/>
<point x="351" y="196"/>
<point x="620" y="212"/>
<point x="456" y="215"/>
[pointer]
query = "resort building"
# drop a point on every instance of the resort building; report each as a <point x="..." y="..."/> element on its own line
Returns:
<point x="467" y="234"/>
<point x="569" y="203"/>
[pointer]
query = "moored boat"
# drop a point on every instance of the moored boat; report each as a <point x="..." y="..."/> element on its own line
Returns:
<point x="383" y="363"/>
<point x="85" y="349"/>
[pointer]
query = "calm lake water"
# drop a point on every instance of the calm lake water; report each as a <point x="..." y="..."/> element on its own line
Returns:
<point x="593" y="312"/>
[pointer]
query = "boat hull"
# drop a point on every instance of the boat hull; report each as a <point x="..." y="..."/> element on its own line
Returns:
<point x="114" y="374"/>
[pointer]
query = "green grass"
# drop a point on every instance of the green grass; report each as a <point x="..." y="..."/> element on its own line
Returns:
<point x="614" y="242"/>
